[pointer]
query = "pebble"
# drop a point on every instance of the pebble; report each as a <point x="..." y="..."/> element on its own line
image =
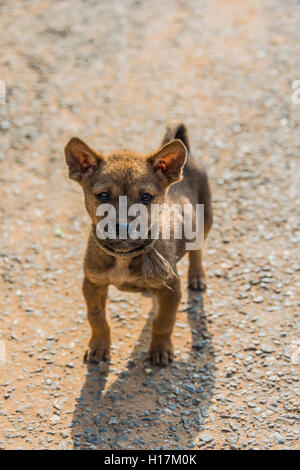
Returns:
<point x="206" y="437"/>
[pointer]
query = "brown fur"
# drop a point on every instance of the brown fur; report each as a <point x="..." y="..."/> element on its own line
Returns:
<point x="165" y="175"/>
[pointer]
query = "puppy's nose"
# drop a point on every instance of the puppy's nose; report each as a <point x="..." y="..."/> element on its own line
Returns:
<point x="122" y="229"/>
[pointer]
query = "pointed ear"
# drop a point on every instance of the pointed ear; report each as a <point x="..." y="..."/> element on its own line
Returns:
<point x="168" y="161"/>
<point x="81" y="159"/>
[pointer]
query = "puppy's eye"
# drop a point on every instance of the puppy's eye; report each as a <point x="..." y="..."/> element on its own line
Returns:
<point x="103" y="197"/>
<point x="146" y="197"/>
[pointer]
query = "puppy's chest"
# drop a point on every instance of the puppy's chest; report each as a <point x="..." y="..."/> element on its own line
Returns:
<point x="124" y="275"/>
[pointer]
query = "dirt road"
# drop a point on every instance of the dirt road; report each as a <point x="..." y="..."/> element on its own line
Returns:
<point x="114" y="73"/>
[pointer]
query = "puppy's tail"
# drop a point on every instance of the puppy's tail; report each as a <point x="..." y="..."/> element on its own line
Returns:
<point x="179" y="131"/>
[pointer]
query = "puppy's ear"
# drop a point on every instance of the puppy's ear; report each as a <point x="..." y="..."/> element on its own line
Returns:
<point x="81" y="159"/>
<point x="168" y="162"/>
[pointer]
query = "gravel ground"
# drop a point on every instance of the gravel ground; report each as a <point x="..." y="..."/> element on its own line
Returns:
<point x="115" y="73"/>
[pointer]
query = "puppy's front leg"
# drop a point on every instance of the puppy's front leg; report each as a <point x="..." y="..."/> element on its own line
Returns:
<point x="99" y="345"/>
<point x="161" y="348"/>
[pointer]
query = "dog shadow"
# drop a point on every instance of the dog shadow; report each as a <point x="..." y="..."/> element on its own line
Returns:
<point x="148" y="407"/>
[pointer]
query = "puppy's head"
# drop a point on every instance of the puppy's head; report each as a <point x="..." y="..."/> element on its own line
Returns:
<point x="144" y="179"/>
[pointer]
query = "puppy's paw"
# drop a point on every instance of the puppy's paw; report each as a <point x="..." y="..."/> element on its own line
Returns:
<point x="95" y="355"/>
<point x="197" y="283"/>
<point x="161" y="352"/>
<point x="161" y="358"/>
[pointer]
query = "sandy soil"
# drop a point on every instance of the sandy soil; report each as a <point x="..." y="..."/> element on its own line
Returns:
<point x="115" y="73"/>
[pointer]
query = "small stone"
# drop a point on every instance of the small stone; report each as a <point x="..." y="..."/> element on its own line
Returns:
<point x="278" y="438"/>
<point x="267" y="348"/>
<point x="189" y="388"/>
<point x="206" y="437"/>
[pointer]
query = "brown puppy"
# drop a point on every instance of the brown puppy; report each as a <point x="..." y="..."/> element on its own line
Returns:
<point x="135" y="265"/>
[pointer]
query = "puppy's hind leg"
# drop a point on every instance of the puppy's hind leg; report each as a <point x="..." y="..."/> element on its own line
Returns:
<point x="196" y="275"/>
